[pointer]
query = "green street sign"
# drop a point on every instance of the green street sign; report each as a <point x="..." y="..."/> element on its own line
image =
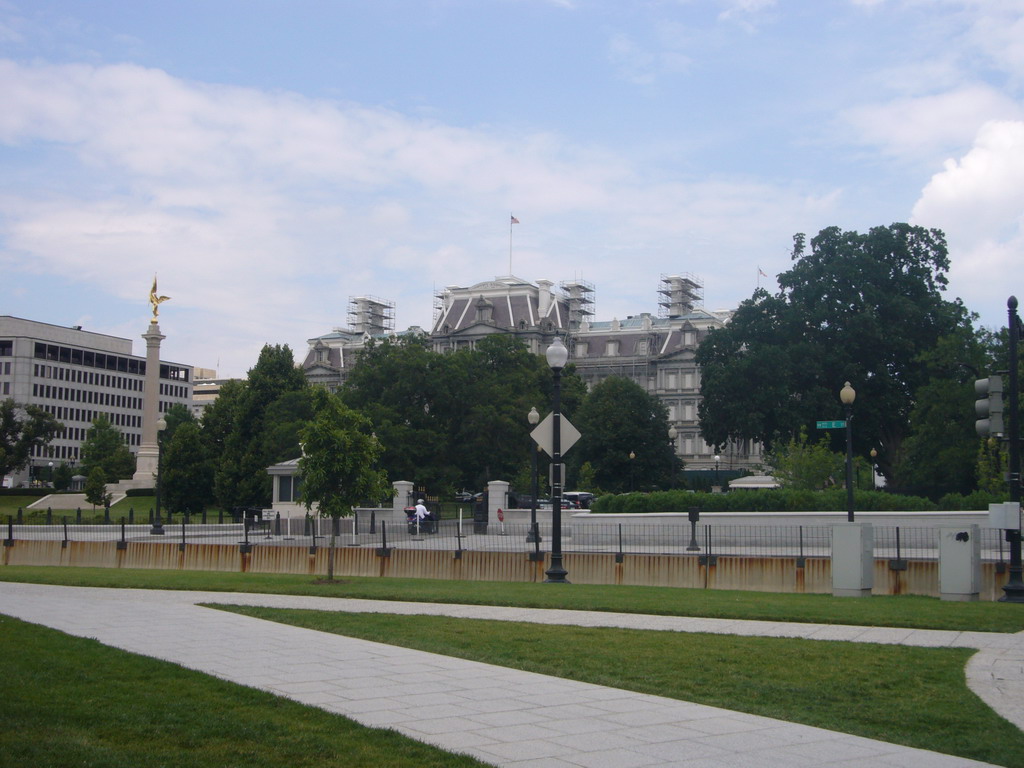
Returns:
<point x="831" y="425"/>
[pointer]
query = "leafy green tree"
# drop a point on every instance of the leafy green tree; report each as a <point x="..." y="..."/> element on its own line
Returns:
<point x="23" y="428"/>
<point x="862" y="308"/>
<point x="186" y="482"/>
<point x="96" y="487"/>
<point x="175" y="416"/>
<point x="104" y="447"/>
<point x="62" y="475"/>
<point x="241" y="477"/>
<point x="940" y="454"/>
<point x="807" y="466"/>
<point x="339" y="464"/>
<point x="454" y="420"/>
<point x="619" y="418"/>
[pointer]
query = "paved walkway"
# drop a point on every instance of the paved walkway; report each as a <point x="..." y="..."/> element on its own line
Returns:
<point x="502" y="716"/>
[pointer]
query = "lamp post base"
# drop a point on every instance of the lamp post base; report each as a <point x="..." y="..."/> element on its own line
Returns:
<point x="1013" y="589"/>
<point x="556" y="573"/>
<point x="157" y="529"/>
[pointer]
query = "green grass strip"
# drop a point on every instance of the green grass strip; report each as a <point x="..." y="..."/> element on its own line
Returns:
<point x="910" y="611"/>
<point x="912" y="696"/>
<point x="68" y="701"/>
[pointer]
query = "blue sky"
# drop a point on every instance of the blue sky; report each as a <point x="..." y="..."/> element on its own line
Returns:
<point x="269" y="160"/>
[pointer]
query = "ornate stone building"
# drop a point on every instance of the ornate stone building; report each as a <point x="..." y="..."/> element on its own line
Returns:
<point x="655" y="350"/>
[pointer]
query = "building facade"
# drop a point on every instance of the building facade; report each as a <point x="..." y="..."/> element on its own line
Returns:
<point x="77" y="375"/>
<point x="656" y="350"/>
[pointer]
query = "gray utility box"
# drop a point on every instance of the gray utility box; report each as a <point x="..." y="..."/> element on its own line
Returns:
<point x="853" y="559"/>
<point x="1005" y="515"/>
<point x="960" y="563"/>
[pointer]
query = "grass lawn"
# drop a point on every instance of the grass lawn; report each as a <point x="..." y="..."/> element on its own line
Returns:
<point x="900" y="611"/>
<point x="912" y="696"/>
<point x="69" y="701"/>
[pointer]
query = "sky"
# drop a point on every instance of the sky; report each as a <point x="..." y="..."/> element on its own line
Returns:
<point x="268" y="160"/>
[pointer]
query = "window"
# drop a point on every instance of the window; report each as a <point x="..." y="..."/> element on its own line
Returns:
<point x="581" y="349"/>
<point x="642" y="346"/>
<point x="6" y="348"/>
<point x="612" y="348"/>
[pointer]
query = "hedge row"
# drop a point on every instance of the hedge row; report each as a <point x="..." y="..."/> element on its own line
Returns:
<point x="785" y="500"/>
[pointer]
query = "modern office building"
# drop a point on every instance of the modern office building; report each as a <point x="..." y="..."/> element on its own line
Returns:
<point x="77" y="375"/>
<point x="657" y="350"/>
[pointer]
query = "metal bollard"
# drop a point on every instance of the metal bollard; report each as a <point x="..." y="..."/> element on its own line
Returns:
<point x="20" y="518"/>
<point x="49" y="516"/>
<point x="131" y="515"/>
<point x="78" y="516"/>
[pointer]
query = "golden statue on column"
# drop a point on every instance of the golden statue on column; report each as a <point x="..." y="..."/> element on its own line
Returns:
<point x="155" y="300"/>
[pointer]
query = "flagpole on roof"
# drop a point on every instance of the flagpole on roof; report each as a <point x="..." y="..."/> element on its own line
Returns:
<point x="511" y="220"/>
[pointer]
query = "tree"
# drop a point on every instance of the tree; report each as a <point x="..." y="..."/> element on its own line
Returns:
<point x="23" y="428"/>
<point x="940" y="453"/>
<point x="454" y="420"/>
<point x="96" y="487"/>
<point x="339" y="463"/>
<point x="806" y="466"/>
<point x="186" y="482"/>
<point x="862" y="308"/>
<point x="62" y="475"/>
<point x="104" y="447"/>
<point x="241" y="477"/>
<point x="619" y="418"/>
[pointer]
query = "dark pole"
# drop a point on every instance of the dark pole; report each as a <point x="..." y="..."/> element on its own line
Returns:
<point x="1013" y="590"/>
<point x="158" y="526"/>
<point x="533" y="536"/>
<point x="846" y="396"/>
<point x="557" y="355"/>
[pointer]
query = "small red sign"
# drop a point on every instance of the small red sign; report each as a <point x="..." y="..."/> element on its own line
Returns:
<point x="501" y="516"/>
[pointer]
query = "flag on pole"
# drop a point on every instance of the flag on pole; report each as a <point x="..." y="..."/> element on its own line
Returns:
<point x="514" y="220"/>
<point x="761" y="272"/>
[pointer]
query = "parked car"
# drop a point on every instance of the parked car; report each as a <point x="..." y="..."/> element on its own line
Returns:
<point x="582" y="498"/>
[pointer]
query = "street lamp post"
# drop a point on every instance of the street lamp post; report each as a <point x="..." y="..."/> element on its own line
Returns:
<point x="847" y="395"/>
<point x="50" y="465"/>
<point x="533" y="535"/>
<point x="158" y="525"/>
<point x="673" y="433"/>
<point x="718" y="460"/>
<point x="1013" y="590"/>
<point x="632" y="473"/>
<point x="556" y="355"/>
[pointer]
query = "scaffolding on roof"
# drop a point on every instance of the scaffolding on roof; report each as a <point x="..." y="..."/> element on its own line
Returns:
<point x="579" y="296"/>
<point x="370" y="315"/>
<point x="680" y="293"/>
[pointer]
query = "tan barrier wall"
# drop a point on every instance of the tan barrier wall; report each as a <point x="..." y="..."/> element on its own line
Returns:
<point x="762" y="574"/>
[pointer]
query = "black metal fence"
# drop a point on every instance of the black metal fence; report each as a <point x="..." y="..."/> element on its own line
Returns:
<point x="371" y="529"/>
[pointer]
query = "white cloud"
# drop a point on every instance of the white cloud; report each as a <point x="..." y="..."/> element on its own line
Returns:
<point x="977" y="201"/>
<point x="919" y="127"/>
<point x="262" y="212"/>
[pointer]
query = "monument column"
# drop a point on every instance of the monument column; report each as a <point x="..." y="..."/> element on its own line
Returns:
<point x="149" y="451"/>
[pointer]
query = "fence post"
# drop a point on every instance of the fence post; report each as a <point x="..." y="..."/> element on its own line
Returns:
<point x="64" y="543"/>
<point x="131" y="515"/>
<point x="277" y="524"/>
<point x="78" y="516"/>
<point x="49" y="516"/>
<point x="9" y="541"/>
<point x="373" y="523"/>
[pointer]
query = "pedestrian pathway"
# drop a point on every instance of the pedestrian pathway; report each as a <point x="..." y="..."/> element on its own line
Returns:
<point x="502" y="716"/>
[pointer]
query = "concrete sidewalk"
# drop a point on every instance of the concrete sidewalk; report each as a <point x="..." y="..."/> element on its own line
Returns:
<point x="501" y="716"/>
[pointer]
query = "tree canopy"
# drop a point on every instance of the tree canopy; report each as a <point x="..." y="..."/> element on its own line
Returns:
<point x="617" y="420"/>
<point x="104" y="447"/>
<point x="453" y="420"/>
<point x="22" y="429"/>
<point x="863" y="308"/>
<point x="257" y="425"/>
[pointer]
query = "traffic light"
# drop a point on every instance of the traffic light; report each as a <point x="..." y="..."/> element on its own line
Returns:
<point x="989" y="406"/>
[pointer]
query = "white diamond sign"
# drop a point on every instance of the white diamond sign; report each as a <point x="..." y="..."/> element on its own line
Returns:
<point x="543" y="434"/>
